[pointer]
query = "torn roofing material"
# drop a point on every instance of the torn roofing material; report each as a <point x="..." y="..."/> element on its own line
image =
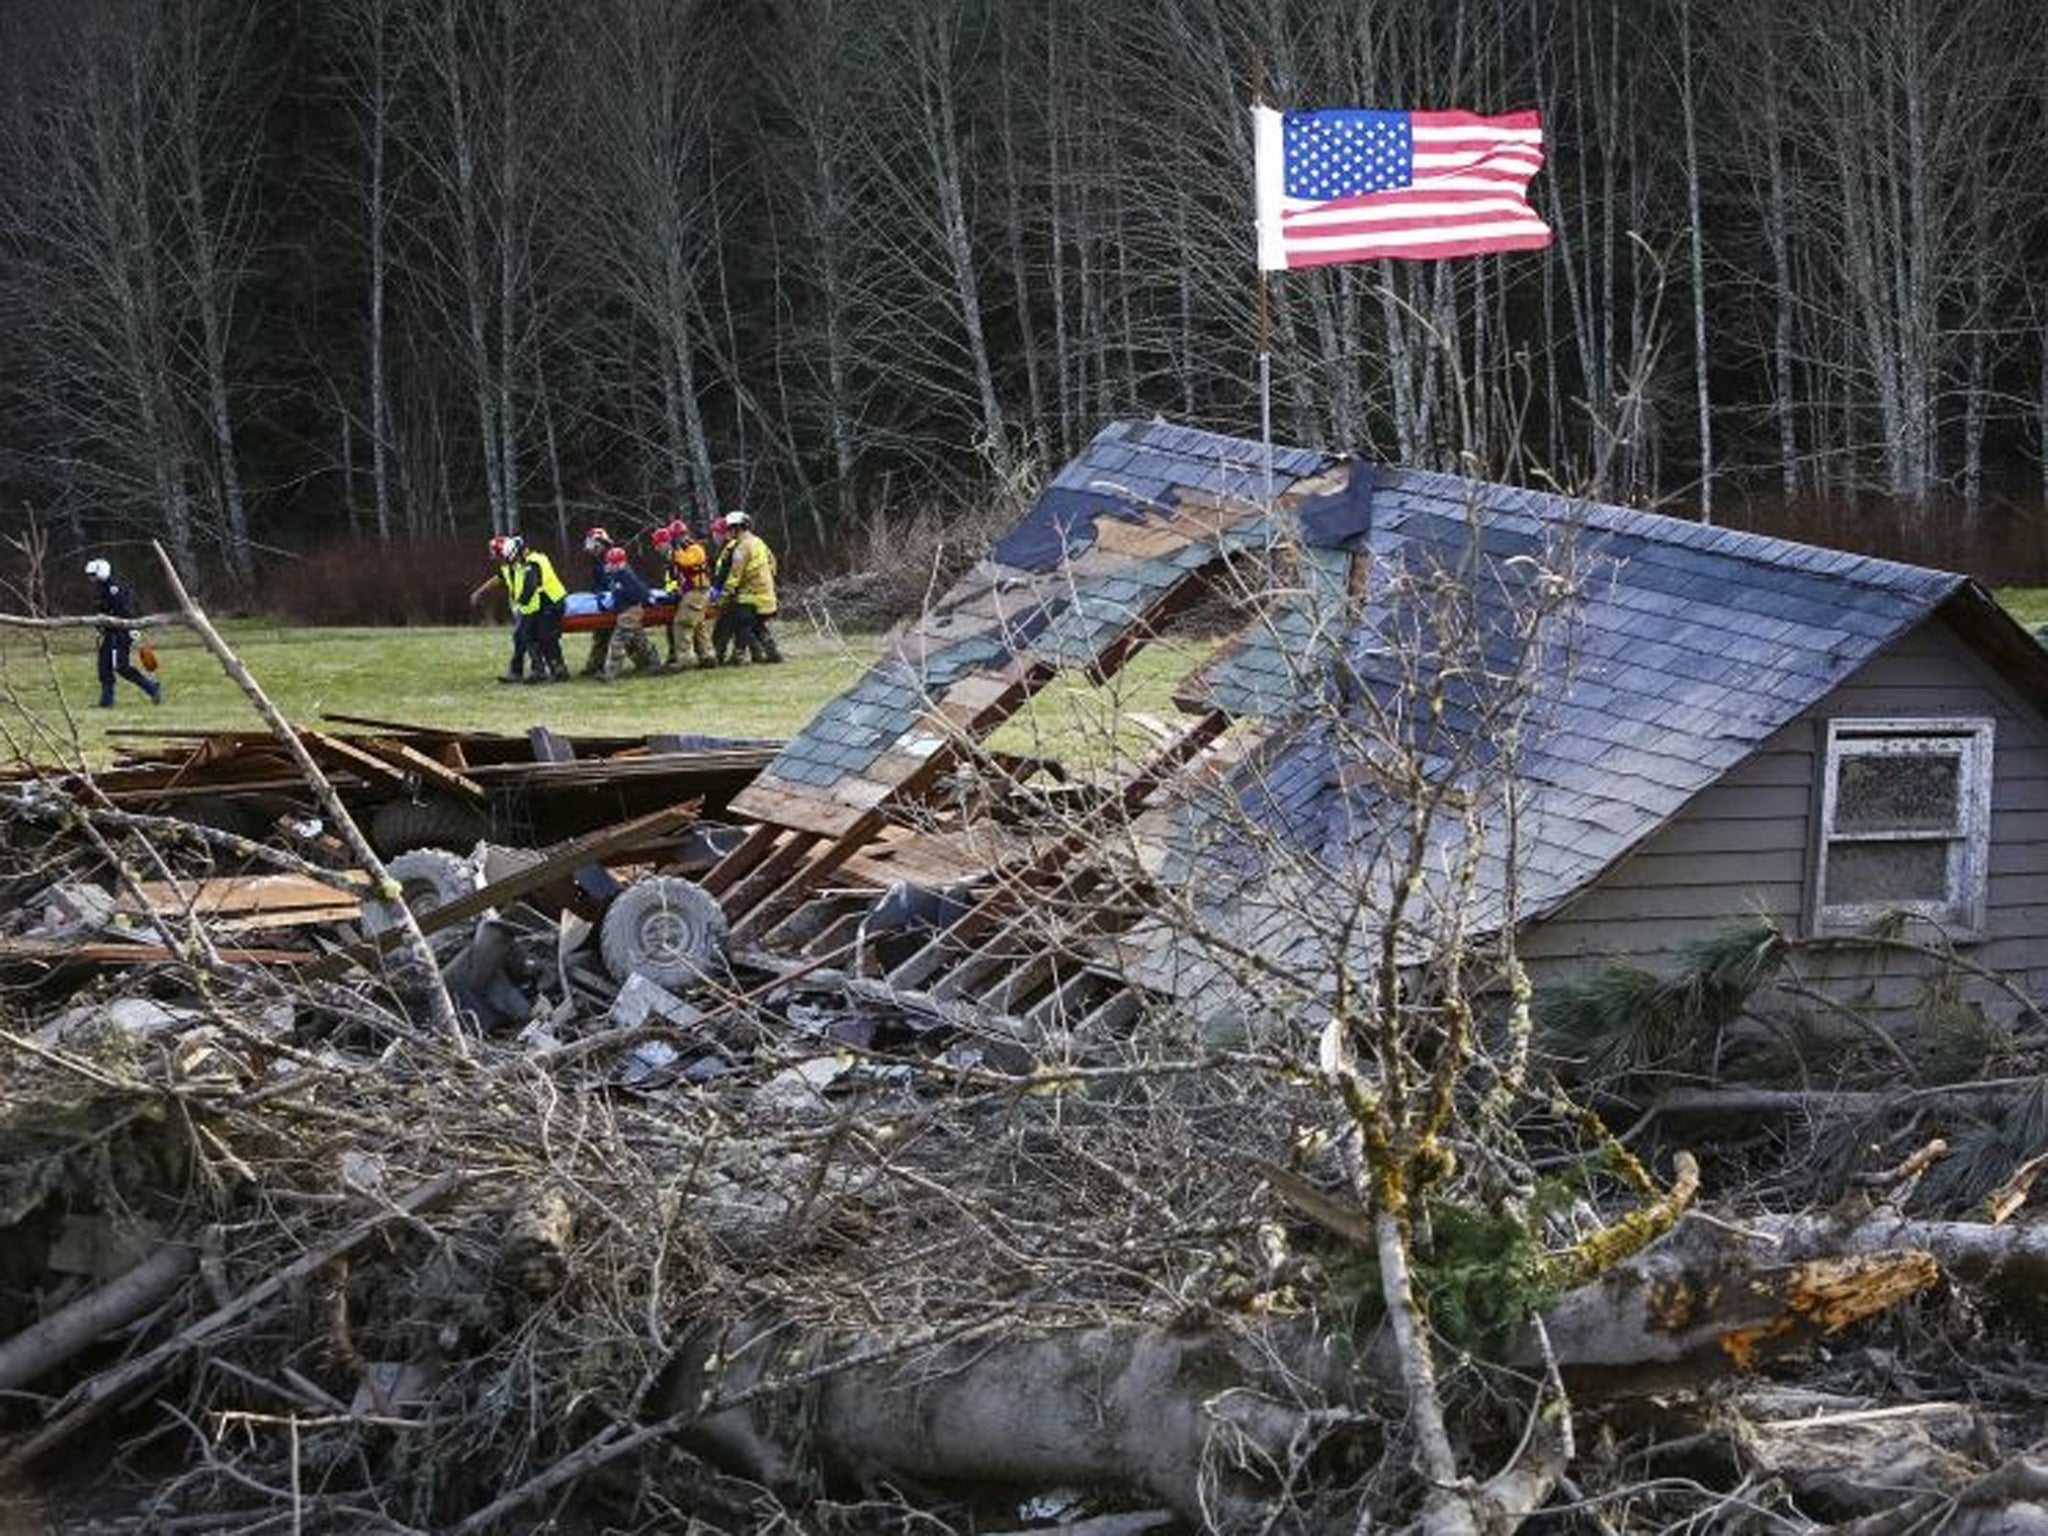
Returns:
<point x="1119" y="529"/>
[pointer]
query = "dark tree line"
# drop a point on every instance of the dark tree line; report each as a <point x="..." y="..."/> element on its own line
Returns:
<point x="276" y="271"/>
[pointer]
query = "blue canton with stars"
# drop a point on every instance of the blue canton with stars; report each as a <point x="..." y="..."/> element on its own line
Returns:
<point x="1346" y="153"/>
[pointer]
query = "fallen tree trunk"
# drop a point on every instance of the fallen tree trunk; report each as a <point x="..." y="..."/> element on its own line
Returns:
<point x="1179" y="1416"/>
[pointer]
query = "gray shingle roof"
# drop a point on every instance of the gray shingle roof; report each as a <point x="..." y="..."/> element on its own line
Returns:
<point x="1687" y="647"/>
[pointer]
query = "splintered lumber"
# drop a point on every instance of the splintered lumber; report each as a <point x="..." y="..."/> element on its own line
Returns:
<point x="353" y="755"/>
<point x="430" y="769"/>
<point x="252" y="901"/>
<point x="90" y="1398"/>
<point x="94" y="952"/>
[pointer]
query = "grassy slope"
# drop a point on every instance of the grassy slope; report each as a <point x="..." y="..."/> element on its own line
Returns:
<point x="432" y="676"/>
<point x="445" y="677"/>
<point x="2027" y="604"/>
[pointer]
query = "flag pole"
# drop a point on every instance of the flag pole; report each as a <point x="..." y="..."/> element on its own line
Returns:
<point x="1265" y="333"/>
<point x="1262" y="309"/>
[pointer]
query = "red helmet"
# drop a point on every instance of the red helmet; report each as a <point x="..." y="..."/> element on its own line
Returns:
<point x="497" y="547"/>
<point x="614" y="558"/>
<point x="664" y="536"/>
<point x="678" y="531"/>
<point x="719" y="527"/>
<point x="594" y="537"/>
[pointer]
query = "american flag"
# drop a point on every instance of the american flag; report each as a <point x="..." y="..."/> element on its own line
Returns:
<point x="1349" y="184"/>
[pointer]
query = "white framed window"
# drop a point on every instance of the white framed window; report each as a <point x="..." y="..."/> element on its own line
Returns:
<point x="1905" y="824"/>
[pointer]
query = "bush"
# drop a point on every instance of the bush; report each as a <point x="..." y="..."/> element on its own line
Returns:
<point x="360" y="581"/>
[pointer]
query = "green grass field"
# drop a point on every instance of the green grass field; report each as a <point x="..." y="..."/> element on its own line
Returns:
<point x="446" y="677"/>
<point x="442" y="677"/>
<point x="2027" y="604"/>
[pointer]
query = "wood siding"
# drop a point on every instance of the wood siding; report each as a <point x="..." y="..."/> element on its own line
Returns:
<point x="1744" y="845"/>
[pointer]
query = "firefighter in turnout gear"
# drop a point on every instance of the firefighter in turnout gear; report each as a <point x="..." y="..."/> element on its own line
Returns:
<point x="117" y="640"/>
<point x="689" y="573"/>
<point x="749" y="586"/>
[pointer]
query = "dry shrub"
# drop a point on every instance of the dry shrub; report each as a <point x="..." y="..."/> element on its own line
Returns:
<point x="360" y="581"/>
<point x="907" y="556"/>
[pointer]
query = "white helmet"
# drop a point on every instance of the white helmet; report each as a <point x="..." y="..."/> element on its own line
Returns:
<point x="738" y="520"/>
<point x="98" y="570"/>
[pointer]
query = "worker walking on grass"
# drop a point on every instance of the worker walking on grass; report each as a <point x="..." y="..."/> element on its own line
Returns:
<point x="689" y="573"/>
<point x="724" y="616"/>
<point x="538" y="601"/>
<point x="749" y="587"/>
<point x="117" y="640"/>
<point x="630" y="597"/>
<point x="505" y="572"/>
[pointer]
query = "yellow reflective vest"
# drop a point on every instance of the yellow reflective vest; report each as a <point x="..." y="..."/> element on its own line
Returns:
<point x="752" y="580"/>
<point x="548" y="589"/>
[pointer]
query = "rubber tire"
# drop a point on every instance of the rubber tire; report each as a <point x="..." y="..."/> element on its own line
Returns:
<point x="429" y="878"/>
<point x="399" y="826"/>
<point x="670" y="930"/>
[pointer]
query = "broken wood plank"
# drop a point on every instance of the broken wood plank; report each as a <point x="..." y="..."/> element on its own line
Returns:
<point x="93" y="952"/>
<point x="752" y="850"/>
<point x="354" y="756"/>
<point x="794" y="807"/>
<point x="294" y="897"/>
<point x="428" y="768"/>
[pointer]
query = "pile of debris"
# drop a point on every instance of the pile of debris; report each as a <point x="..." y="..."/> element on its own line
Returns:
<point x="689" y="1229"/>
<point x="414" y="786"/>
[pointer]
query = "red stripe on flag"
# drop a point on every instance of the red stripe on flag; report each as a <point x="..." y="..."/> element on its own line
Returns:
<point x="1365" y="250"/>
<point x="1525" y="119"/>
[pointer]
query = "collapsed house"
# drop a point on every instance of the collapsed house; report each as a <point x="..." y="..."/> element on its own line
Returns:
<point x="1709" y="726"/>
<point x="899" y="1119"/>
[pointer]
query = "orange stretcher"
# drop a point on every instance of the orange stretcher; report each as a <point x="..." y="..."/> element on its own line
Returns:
<point x="593" y="620"/>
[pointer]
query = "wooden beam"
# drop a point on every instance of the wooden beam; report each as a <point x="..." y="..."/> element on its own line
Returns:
<point x="354" y="756"/>
<point x="428" y="768"/>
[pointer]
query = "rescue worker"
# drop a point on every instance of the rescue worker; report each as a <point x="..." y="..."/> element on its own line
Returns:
<point x="749" y="585"/>
<point x="538" y="600"/>
<point x="116" y="640"/>
<point x="597" y="543"/>
<point x="689" y="573"/>
<point x="630" y="596"/>
<point x="505" y="572"/>
<point x="725" y="626"/>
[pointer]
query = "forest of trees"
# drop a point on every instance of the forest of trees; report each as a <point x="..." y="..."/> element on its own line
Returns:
<point x="279" y="272"/>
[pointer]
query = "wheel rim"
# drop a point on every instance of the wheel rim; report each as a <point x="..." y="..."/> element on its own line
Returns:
<point x="667" y="934"/>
